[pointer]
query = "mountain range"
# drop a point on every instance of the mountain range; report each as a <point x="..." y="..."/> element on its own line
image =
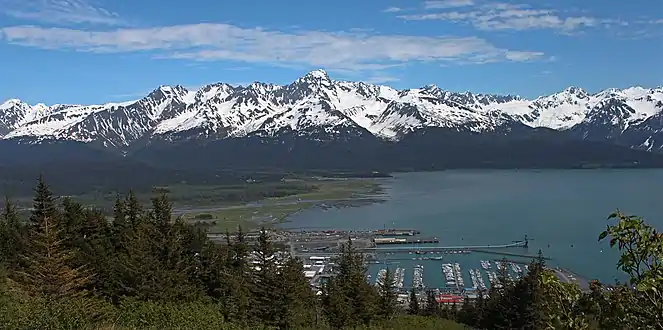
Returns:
<point x="315" y="103"/>
<point x="349" y="124"/>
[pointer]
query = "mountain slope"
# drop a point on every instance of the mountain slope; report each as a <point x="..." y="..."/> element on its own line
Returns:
<point x="319" y="108"/>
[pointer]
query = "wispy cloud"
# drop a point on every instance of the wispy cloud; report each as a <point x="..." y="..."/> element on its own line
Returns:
<point x="392" y="10"/>
<point x="504" y="16"/>
<point x="444" y="4"/>
<point x="59" y="12"/>
<point x="210" y="42"/>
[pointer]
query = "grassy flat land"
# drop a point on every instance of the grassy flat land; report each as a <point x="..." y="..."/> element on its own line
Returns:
<point x="250" y="204"/>
<point x="274" y="210"/>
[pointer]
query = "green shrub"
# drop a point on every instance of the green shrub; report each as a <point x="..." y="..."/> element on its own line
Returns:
<point x="156" y="315"/>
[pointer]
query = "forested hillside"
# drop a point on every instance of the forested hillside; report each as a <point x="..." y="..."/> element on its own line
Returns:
<point x="67" y="267"/>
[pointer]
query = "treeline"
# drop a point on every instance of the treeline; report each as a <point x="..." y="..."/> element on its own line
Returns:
<point x="68" y="267"/>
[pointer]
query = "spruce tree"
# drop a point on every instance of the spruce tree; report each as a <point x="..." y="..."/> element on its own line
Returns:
<point x="161" y="214"/>
<point x="47" y="273"/>
<point x="337" y="307"/>
<point x="387" y="302"/>
<point x="237" y="304"/>
<point x="467" y="313"/>
<point x="529" y="297"/>
<point x="72" y="222"/>
<point x="133" y="210"/>
<point x="413" y="307"/>
<point x="121" y="225"/>
<point x="12" y="235"/>
<point x="432" y="307"/>
<point x="350" y="300"/>
<point x="265" y="280"/>
<point x="296" y="304"/>
<point x="43" y="206"/>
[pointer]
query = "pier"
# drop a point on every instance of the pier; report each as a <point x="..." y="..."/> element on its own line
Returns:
<point x="394" y="240"/>
<point x="521" y="255"/>
<point x="443" y="248"/>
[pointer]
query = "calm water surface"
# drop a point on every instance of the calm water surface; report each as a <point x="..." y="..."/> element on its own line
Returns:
<point x="563" y="211"/>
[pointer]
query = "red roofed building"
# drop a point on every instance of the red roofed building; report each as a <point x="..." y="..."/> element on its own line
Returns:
<point x="449" y="299"/>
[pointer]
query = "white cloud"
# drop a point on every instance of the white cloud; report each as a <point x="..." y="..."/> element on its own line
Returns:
<point x="506" y="16"/>
<point x="392" y="10"/>
<point x="332" y="50"/>
<point x="59" y="11"/>
<point x="518" y="56"/>
<point x="443" y="4"/>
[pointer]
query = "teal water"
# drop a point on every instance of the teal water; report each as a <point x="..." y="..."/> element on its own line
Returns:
<point x="562" y="210"/>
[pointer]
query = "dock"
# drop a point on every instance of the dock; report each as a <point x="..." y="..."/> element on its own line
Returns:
<point x="396" y="232"/>
<point x="442" y="248"/>
<point x="396" y="240"/>
<point x="504" y="253"/>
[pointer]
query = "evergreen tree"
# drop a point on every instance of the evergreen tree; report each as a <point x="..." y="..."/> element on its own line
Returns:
<point x="155" y="265"/>
<point x="43" y="206"/>
<point x="133" y="210"/>
<point x="47" y="273"/>
<point x="121" y="225"/>
<point x="452" y="311"/>
<point x="413" y="307"/>
<point x="432" y="307"/>
<point x="350" y="300"/>
<point x="467" y="314"/>
<point x="296" y="304"/>
<point x="237" y="304"/>
<point x="479" y="309"/>
<point x="265" y="280"/>
<point x="337" y="305"/>
<point x="502" y="308"/>
<point x="72" y="222"/>
<point x="12" y="235"/>
<point x="387" y="302"/>
<point x="529" y="297"/>
<point x="162" y="213"/>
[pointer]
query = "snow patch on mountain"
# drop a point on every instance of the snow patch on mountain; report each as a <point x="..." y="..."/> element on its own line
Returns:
<point x="316" y="103"/>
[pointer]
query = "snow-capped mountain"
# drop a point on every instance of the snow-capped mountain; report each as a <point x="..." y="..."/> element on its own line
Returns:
<point x="317" y="107"/>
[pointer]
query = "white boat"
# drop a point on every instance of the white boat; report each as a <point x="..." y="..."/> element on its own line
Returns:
<point x="418" y="277"/>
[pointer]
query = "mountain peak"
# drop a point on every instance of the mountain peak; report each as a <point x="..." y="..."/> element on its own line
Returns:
<point x="10" y="103"/>
<point x="575" y="91"/>
<point x="317" y="74"/>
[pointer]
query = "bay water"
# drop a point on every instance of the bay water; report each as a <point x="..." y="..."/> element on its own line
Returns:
<point x="562" y="211"/>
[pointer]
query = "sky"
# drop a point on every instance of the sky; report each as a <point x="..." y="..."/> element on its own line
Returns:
<point x="96" y="51"/>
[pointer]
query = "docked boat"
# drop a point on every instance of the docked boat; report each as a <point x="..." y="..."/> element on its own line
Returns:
<point x="380" y="277"/>
<point x="418" y="277"/>
<point x="399" y="277"/>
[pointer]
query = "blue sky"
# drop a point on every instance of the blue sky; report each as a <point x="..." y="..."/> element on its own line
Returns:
<point x="94" y="51"/>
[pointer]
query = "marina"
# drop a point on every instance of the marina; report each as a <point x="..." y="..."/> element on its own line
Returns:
<point x="447" y="265"/>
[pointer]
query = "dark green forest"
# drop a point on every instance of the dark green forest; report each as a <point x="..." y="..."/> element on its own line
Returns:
<point x="67" y="267"/>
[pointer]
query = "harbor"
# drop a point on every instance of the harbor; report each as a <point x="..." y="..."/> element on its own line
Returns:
<point x="452" y="271"/>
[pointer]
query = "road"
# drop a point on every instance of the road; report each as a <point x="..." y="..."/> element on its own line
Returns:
<point x="567" y="276"/>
